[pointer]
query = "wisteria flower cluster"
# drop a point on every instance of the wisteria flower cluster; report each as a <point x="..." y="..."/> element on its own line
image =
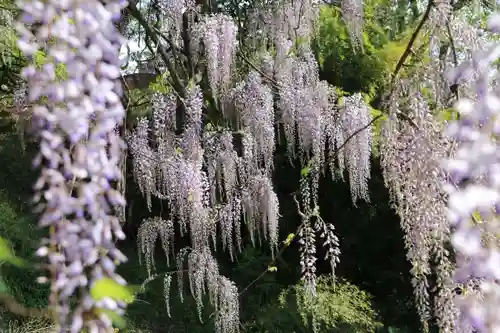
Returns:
<point x="218" y="35"/>
<point x="474" y="190"/>
<point x="216" y="180"/>
<point x="76" y="118"/>
<point x="411" y="162"/>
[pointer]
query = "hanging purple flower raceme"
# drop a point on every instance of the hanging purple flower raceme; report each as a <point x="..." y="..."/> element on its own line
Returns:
<point x="474" y="188"/>
<point x="76" y="119"/>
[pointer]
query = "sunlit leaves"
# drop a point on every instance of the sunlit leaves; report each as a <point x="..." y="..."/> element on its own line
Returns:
<point x="289" y="239"/>
<point x="338" y="305"/>
<point x="7" y="255"/>
<point x="109" y="288"/>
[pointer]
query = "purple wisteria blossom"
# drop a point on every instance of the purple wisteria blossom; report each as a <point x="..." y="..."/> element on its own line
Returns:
<point x="76" y="118"/>
<point x="474" y="188"/>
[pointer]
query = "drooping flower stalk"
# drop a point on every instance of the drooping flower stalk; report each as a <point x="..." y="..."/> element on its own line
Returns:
<point x="150" y="230"/>
<point x="172" y="12"/>
<point x="144" y="160"/>
<point x="355" y="115"/>
<point x="218" y="34"/>
<point x="254" y="101"/>
<point x="411" y="167"/>
<point x="307" y="240"/>
<point x="205" y="279"/>
<point x="352" y="12"/>
<point x="76" y="119"/>
<point x="225" y="194"/>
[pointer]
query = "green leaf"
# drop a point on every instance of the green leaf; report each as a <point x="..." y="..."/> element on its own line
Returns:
<point x="7" y="255"/>
<point x="107" y="287"/>
<point x="447" y="114"/>
<point x="5" y="251"/>
<point x="477" y="217"/>
<point x="304" y="172"/>
<point x="4" y="289"/>
<point x="289" y="239"/>
<point x="191" y="84"/>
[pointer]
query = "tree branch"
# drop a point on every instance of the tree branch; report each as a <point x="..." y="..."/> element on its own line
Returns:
<point x="454" y="87"/>
<point x="251" y="64"/>
<point x="13" y="306"/>
<point x="350" y="137"/>
<point x="413" y="37"/>
<point x="151" y="34"/>
<point x="402" y="60"/>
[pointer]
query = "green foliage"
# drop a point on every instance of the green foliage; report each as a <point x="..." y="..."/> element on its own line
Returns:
<point x="11" y="59"/>
<point x="18" y="238"/>
<point x="41" y="59"/>
<point x="109" y="288"/>
<point x="7" y="38"/>
<point x="4" y="289"/>
<point x="7" y="255"/>
<point x="392" y="51"/>
<point x="338" y="307"/>
<point x="160" y="84"/>
<point x="15" y="279"/>
<point x="340" y="64"/>
<point x="17" y="224"/>
<point x="376" y="129"/>
<point x="447" y="114"/>
<point x="288" y="239"/>
<point x="40" y="325"/>
<point x="15" y="228"/>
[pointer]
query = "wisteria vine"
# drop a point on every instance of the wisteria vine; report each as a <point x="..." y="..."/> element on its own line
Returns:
<point x="77" y="119"/>
<point x="211" y="184"/>
<point x="215" y="179"/>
